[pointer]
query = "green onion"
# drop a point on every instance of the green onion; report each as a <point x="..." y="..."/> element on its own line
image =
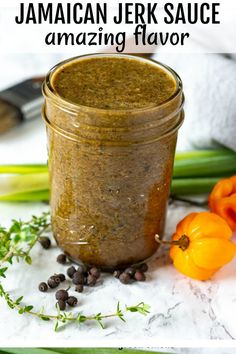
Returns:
<point x="75" y="351"/>
<point x="24" y="187"/>
<point x="18" y="183"/>
<point x="29" y="351"/>
<point x="221" y="165"/>
<point x="196" y="154"/>
<point x="36" y="168"/>
<point x="183" y="186"/>
<point x="195" y="172"/>
<point x="102" y="351"/>
<point x="33" y="196"/>
<point x="193" y="186"/>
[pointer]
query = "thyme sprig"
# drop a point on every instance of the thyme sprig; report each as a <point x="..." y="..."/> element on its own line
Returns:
<point x="20" y="238"/>
<point x="16" y="243"/>
<point x="61" y="318"/>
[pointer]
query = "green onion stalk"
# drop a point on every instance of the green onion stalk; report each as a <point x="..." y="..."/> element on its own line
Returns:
<point x="195" y="173"/>
<point x="76" y="351"/>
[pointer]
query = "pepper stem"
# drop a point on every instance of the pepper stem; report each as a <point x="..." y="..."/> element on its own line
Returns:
<point x="183" y="242"/>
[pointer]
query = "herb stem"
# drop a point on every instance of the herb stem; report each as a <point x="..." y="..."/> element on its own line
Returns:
<point x="7" y="256"/>
<point x="63" y="317"/>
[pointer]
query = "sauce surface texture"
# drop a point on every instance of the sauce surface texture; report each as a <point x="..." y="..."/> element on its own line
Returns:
<point x="113" y="83"/>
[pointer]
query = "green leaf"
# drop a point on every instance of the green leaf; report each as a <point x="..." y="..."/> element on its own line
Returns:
<point x="18" y="301"/>
<point x="2" y="272"/>
<point x="132" y="309"/>
<point x="58" y="309"/>
<point x="28" y="308"/>
<point x="16" y="226"/>
<point x="10" y="305"/>
<point x="10" y="260"/>
<point x="45" y="318"/>
<point x="28" y="260"/>
<point x="81" y="318"/>
<point x="4" y="248"/>
<point x="101" y="324"/>
<point x="56" y="326"/>
<point x="142" y="308"/>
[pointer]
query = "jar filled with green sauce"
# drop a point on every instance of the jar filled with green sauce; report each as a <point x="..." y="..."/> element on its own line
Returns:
<point x="112" y="123"/>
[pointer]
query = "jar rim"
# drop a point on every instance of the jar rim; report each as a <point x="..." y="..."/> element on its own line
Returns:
<point x="75" y="106"/>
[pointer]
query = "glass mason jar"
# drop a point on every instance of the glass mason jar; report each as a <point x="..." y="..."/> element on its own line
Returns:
<point x="110" y="173"/>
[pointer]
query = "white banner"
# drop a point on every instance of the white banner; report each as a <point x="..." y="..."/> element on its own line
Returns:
<point x="118" y="26"/>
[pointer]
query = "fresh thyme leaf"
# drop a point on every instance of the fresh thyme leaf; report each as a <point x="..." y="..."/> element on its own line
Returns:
<point x="2" y="272"/>
<point x="28" y="259"/>
<point x="18" y="301"/>
<point x="44" y="318"/>
<point x="81" y="318"/>
<point x="56" y="326"/>
<point x="28" y="308"/>
<point x="101" y="324"/>
<point x="142" y="308"/>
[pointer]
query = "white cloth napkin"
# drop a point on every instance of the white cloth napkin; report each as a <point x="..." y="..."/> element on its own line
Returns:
<point x="210" y="90"/>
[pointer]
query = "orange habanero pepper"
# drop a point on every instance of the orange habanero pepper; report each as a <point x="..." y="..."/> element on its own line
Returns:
<point x="222" y="200"/>
<point x="201" y="245"/>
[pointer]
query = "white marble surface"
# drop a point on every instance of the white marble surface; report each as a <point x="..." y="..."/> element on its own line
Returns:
<point x="181" y="309"/>
<point x="183" y="312"/>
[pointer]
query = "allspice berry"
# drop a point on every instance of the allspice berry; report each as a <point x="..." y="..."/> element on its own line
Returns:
<point x="82" y="268"/>
<point x="71" y="271"/>
<point x="52" y="283"/>
<point x="85" y="280"/>
<point x="43" y="287"/>
<point x="62" y="277"/>
<point x="95" y="272"/>
<point x="125" y="278"/>
<point x="62" y="295"/>
<point x="91" y="280"/>
<point x="61" y="304"/>
<point x="78" y="278"/>
<point x="57" y="278"/>
<point x="143" y="267"/>
<point x="79" y="288"/>
<point x="72" y="301"/>
<point x="131" y="271"/>
<point x="45" y="242"/>
<point x="117" y="273"/>
<point x="139" y="276"/>
<point x="61" y="258"/>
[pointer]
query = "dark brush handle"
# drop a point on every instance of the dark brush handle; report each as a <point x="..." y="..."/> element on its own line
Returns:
<point x="20" y="102"/>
